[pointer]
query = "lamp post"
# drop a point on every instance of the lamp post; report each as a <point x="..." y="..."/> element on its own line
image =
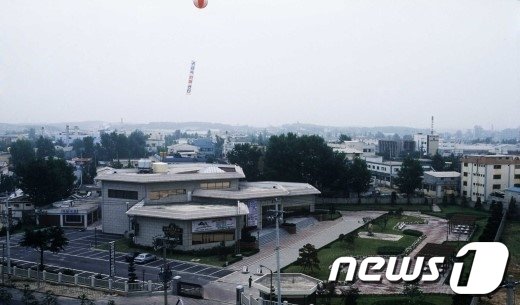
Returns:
<point x="271" y="288"/>
<point x="7" y="219"/>
<point x="278" y="215"/>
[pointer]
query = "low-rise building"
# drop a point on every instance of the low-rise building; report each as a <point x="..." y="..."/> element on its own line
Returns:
<point x="426" y="144"/>
<point x="77" y="213"/>
<point x="206" y="203"/>
<point x="439" y="184"/>
<point x="483" y="175"/>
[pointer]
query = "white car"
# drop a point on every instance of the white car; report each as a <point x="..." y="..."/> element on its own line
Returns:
<point x="144" y="258"/>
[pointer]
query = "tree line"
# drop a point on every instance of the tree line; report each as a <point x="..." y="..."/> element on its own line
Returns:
<point x="307" y="158"/>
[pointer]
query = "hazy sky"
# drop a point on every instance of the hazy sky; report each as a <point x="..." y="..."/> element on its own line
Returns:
<point x="262" y="62"/>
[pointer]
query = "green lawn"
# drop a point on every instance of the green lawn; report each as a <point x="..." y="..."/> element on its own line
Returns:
<point x="457" y="209"/>
<point x="122" y="245"/>
<point x="362" y="246"/>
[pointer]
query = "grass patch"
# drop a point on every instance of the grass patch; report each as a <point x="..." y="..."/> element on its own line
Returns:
<point x="362" y="246"/>
<point x="448" y="210"/>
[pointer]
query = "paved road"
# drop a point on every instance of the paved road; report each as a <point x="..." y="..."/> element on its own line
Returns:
<point x="79" y="255"/>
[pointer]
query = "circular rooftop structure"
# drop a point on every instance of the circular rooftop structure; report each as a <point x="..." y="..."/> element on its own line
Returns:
<point x="291" y="284"/>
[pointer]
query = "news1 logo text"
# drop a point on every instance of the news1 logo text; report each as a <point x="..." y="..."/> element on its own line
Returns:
<point x="487" y="270"/>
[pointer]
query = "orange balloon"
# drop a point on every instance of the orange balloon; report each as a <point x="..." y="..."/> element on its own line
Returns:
<point x="200" y="3"/>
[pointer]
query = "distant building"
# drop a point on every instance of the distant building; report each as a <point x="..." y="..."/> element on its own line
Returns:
<point x="438" y="184"/>
<point x="206" y="147"/>
<point x="353" y="149"/>
<point x="154" y="141"/>
<point x="183" y="150"/>
<point x="395" y="148"/>
<point x="426" y="144"/>
<point x="486" y="174"/>
<point x="385" y="172"/>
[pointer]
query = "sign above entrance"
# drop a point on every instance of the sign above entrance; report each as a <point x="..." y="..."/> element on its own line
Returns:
<point x="208" y="225"/>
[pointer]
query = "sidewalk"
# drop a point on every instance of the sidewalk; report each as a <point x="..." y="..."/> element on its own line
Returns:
<point x="319" y="235"/>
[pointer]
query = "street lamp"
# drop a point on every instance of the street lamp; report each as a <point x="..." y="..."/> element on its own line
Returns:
<point x="278" y="215"/>
<point x="271" y="288"/>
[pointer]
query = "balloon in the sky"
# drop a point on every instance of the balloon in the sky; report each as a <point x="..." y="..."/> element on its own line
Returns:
<point x="200" y="3"/>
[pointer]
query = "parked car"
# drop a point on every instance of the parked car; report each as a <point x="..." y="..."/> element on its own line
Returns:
<point x="130" y="256"/>
<point x="144" y="258"/>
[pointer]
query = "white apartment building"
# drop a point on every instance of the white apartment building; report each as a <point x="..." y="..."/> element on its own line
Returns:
<point x="426" y="144"/>
<point x="483" y="175"/>
<point x="354" y="149"/>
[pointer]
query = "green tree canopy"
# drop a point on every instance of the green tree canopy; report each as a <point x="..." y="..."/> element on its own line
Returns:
<point x="438" y="162"/>
<point x="46" y="181"/>
<point x="22" y="152"/>
<point x="409" y="177"/>
<point x="305" y="159"/>
<point x="344" y="137"/>
<point x="360" y="176"/>
<point x="247" y="157"/>
<point x="45" y="148"/>
<point x="136" y="144"/>
<point x="8" y="183"/>
<point x="51" y="239"/>
<point x="308" y="258"/>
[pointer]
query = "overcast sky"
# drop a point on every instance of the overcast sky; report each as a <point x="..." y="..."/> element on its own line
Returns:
<point x="262" y="62"/>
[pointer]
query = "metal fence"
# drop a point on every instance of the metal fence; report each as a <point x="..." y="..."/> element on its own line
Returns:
<point x="90" y="281"/>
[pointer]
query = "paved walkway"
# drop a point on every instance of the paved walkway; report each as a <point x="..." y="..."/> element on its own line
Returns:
<point x="435" y="231"/>
<point x="319" y="235"/>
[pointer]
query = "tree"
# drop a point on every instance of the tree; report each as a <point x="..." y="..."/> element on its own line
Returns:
<point x="349" y="238"/>
<point x="22" y="152"/>
<point x="344" y="138"/>
<point x="308" y="258"/>
<point x="306" y="159"/>
<point x="5" y="296"/>
<point x="350" y="295"/>
<point x="137" y="144"/>
<point x="438" y="162"/>
<point x="46" y="181"/>
<point x="45" y="148"/>
<point x="409" y="177"/>
<point x="49" y="298"/>
<point x="512" y="210"/>
<point x="28" y="297"/>
<point x="84" y="300"/>
<point x="78" y="146"/>
<point x="247" y="157"/>
<point x="360" y="176"/>
<point x="132" y="277"/>
<point x="413" y="292"/>
<point x="88" y="147"/>
<point x="8" y="183"/>
<point x="478" y="204"/>
<point x="51" y="239"/>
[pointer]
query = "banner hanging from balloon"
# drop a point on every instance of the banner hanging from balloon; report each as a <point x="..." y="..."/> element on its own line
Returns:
<point x="190" y="78"/>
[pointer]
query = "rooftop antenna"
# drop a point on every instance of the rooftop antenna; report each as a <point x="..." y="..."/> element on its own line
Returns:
<point x="432" y="125"/>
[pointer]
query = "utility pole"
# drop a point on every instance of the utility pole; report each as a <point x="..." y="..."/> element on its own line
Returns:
<point x="278" y="284"/>
<point x="8" y="235"/>
<point x="510" y="285"/>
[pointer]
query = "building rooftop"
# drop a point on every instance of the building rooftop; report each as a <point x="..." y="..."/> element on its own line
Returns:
<point x="174" y="172"/>
<point x="186" y="211"/>
<point x="443" y="174"/>
<point x="514" y="189"/>
<point x="262" y="189"/>
<point x="491" y="159"/>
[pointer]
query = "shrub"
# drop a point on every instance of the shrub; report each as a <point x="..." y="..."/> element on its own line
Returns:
<point x="98" y="276"/>
<point x="412" y="232"/>
<point x="399" y="302"/>
<point x="390" y="250"/>
<point x="68" y="272"/>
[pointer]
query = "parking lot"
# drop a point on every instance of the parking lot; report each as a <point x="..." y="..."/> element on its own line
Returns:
<point x="80" y="255"/>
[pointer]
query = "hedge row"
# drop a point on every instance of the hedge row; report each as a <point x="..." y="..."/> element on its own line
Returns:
<point x="412" y="232"/>
<point x="390" y="250"/>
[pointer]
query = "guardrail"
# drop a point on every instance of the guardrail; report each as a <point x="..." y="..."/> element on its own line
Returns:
<point x="80" y="281"/>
